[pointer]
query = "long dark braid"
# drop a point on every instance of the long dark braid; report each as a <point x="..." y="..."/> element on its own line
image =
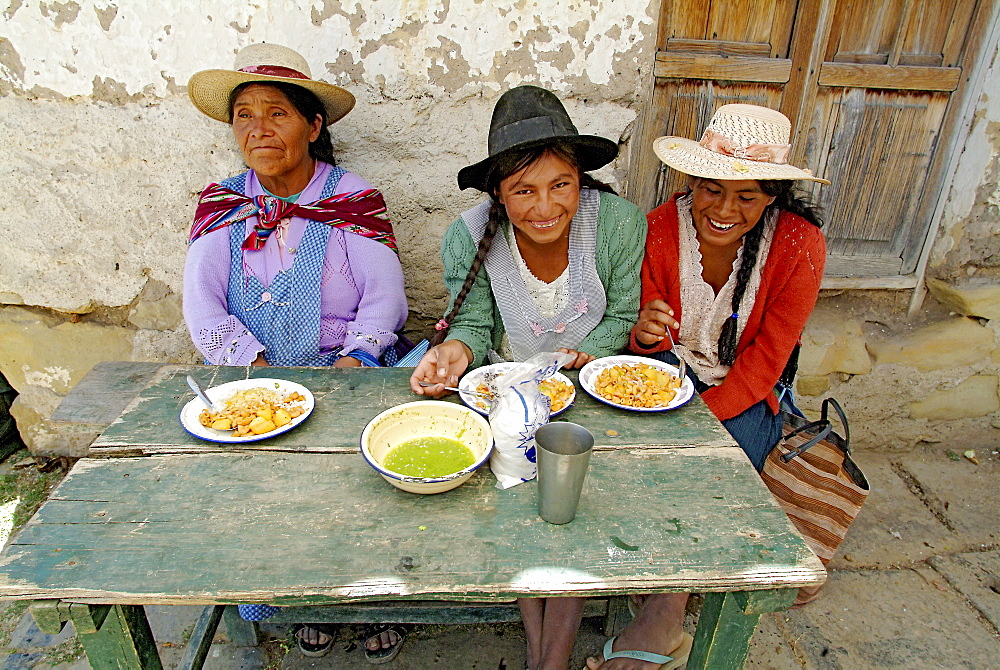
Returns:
<point x="787" y="198"/>
<point x="507" y="164"/>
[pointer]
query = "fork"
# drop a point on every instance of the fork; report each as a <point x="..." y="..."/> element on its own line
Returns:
<point x="453" y="388"/>
<point x="681" y="365"/>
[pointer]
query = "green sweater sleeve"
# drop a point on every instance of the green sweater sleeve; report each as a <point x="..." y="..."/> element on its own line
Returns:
<point x="476" y="322"/>
<point x="621" y="239"/>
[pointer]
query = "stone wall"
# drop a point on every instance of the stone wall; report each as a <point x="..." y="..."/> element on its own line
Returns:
<point x="104" y="157"/>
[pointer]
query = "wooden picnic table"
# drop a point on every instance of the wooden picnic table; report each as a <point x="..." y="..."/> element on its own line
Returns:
<point x="157" y="516"/>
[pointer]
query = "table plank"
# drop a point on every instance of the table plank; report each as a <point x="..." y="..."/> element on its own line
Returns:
<point x="347" y="398"/>
<point x="311" y="529"/>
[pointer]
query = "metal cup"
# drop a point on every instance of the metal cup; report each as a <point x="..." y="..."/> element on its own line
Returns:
<point x="563" y="455"/>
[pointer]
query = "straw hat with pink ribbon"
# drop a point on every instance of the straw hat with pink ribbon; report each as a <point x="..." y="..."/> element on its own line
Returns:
<point x="740" y="142"/>
<point x="209" y="90"/>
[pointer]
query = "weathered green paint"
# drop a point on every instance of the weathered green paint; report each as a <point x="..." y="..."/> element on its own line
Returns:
<point x="123" y="642"/>
<point x="242" y="633"/>
<point x="104" y="392"/>
<point x="88" y="618"/>
<point x="49" y="615"/>
<point x="760" y="602"/>
<point x="201" y="637"/>
<point x="347" y="398"/>
<point x="418" y="612"/>
<point x="722" y="640"/>
<point x="128" y="530"/>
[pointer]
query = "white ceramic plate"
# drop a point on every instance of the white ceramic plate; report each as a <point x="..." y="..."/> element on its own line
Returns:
<point x="488" y="372"/>
<point x="589" y="372"/>
<point x="219" y="394"/>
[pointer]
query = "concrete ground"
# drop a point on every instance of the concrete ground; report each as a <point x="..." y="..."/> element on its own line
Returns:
<point x="916" y="584"/>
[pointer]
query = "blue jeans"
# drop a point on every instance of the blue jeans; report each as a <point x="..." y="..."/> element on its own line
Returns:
<point x="755" y="429"/>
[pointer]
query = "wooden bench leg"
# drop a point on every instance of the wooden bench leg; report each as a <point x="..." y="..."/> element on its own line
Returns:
<point x="122" y="639"/>
<point x="723" y="637"/>
<point x="617" y="616"/>
<point x="242" y="633"/>
<point x="201" y="638"/>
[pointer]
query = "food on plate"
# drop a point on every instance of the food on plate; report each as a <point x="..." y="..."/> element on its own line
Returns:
<point x="428" y="457"/>
<point x="637" y="385"/>
<point x="255" y="411"/>
<point x="559" y="393"/>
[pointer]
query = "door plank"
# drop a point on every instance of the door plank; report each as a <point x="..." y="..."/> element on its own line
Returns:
<point x="708" y="66"/>
<point x="885" y="76"/>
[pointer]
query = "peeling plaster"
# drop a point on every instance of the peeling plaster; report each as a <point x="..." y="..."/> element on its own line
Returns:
<point x="12" y="8"/>
<point x="61" y="12"/>
<point x="106" y="16"/>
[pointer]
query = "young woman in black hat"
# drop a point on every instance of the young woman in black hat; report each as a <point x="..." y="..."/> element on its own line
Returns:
<point x="550" y="262"/>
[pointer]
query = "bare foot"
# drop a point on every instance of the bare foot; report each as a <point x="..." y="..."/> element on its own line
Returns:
<point x="314" y="640"/>
<point x="383" y="640"/>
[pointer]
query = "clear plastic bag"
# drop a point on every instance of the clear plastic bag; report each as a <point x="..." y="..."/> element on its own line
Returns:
<point x="519" y="408"/>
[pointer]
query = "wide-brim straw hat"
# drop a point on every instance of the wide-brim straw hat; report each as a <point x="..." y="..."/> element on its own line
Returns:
<point x="740" y="142"/>
<point x="529" y="116"/>
<point x="209" y="90"/>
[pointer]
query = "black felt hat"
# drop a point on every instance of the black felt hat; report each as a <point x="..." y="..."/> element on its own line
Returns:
<point x="528" y="116"/>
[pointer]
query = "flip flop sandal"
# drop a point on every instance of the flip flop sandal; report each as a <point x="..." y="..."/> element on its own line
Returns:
<point x="383" y="655"/>
<point x="677" y="659"/>
<point x="314" y="650"/>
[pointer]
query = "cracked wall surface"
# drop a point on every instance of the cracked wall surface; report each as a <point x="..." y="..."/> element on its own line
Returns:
<point x="105" y="155"/>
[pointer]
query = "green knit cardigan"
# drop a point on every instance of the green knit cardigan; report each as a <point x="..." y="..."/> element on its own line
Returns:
<point x="621" y="238"/>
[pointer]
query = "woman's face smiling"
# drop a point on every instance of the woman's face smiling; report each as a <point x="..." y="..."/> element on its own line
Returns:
<point x="541" y="200"/>
<point x="274" y="138"/>
<point x="724" y="210"/>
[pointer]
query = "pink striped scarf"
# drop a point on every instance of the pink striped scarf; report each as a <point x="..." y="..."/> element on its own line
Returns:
<point x="361" y="213"/>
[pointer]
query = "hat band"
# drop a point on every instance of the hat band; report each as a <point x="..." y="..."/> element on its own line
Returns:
<point x="527" y="130"/>
<point x="764" y="153"/>
<point x="273" y="71"/>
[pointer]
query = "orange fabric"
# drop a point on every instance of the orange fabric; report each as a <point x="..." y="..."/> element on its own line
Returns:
<point x="789" y="287"/>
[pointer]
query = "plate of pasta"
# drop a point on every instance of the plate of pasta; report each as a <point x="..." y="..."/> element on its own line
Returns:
<point x="248" y="410"/>
<point x="558" y="388"/>
<point x="636" y="383"/>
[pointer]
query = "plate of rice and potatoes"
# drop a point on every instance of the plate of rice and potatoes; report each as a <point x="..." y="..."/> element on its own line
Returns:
<point x="248" y="410"/>
<point x="636" y="383"/>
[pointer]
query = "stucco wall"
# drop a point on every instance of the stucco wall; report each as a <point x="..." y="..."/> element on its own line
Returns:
<point x="103" y="158"/>
<point x="104" y="155"/>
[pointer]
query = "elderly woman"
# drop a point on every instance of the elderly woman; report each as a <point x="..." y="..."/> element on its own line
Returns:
<point x="302" y="267"/>
<point x="733" y="268"/>
<point x="550" y="262"/>
<point x="293" y="261"/>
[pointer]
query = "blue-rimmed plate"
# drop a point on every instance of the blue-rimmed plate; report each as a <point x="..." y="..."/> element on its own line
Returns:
<point x="488" y="373"/>
<point x="590" y="371"/>
<point x="219" y="394"/>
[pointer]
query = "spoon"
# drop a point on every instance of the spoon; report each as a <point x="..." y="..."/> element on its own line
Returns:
<point x="197" y="388"/>
<point x="452" y="388"/>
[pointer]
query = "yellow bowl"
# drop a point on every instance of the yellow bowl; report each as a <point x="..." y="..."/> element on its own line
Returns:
<point x="426" y="418"/>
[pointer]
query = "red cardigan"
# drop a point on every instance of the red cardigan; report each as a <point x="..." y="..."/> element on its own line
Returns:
<point x="789" y="286"/>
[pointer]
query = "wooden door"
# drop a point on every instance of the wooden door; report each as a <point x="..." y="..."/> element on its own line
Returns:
<point x="872" y="88"/>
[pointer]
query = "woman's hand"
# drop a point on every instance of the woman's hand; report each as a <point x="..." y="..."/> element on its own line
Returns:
<point x="654" y="319"/>
<point x="347" y="362"/>
<point x="441" y="365"/>
<point x="581" y="358"/>
<point x="260" y="361"/>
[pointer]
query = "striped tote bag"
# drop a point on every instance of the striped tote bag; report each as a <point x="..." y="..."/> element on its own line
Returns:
<point x="812" y="476"/>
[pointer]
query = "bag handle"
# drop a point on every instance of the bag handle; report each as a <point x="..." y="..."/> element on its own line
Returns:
<point x="824" y="430"/>
<point x="832" y="402"/>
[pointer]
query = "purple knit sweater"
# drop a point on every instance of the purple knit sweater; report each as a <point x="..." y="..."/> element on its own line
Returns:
<point x="362" y="303"/>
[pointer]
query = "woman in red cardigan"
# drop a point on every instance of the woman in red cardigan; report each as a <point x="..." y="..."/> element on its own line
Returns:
<point x="733" y="268"/>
